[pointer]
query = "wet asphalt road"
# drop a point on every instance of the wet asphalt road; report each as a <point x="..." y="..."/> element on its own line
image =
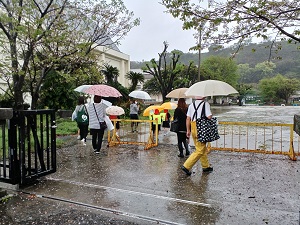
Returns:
<point x="129" y="185"/>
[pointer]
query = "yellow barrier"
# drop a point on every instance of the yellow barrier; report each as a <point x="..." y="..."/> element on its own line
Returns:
<point x="267" y="138"/>
<point x="143" y="135"/>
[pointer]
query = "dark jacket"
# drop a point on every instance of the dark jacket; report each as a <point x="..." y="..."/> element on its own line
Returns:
<point x="180" y="115"/>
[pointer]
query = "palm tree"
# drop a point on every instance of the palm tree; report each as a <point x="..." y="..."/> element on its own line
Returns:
<point x="111" y="73"/>
<point x="135" y="78"/>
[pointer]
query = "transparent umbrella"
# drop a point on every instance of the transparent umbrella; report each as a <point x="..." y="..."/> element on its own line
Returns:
<point x="82" y="88"/>
<point x="210" y="88"/>
<point x="140" y="95"/>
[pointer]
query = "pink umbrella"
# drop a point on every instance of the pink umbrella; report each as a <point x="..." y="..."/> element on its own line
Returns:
<point x="103" y="90"/>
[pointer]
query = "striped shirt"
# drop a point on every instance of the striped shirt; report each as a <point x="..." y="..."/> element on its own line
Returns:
<point x="93" y="120"/>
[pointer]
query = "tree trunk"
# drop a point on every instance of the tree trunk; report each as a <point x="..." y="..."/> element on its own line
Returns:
<point x="17" y="82"/>
<point x="34" y="100"/>
<point x="18" y="100"/>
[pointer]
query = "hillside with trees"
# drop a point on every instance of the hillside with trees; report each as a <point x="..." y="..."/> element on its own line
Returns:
<point x="286" y="60"/>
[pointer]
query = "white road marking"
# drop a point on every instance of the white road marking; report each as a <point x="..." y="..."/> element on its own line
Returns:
<point x="134" y="192"/>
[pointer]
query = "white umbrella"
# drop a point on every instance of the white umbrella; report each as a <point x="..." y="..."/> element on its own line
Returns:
<point x="139" y="95"/>
<point x="108" y="103"/>
<point x="82" y="88"/>
<point x="210" y="88"/>
<point x="177" y="93"/>
<point x="115" y="110"/>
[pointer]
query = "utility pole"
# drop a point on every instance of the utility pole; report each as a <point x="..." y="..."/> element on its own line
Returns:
<point x="199" y="57"/>
<point x="200" y="46"/>
<point x="200" y="39"/>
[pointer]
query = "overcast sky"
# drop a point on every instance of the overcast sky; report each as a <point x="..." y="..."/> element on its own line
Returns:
<point x="145" y="41"/>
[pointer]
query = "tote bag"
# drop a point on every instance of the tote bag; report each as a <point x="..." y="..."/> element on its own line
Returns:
<point x="82" y="116"/>
<point x="174" y="126"/>
<point x="207" y="129"/>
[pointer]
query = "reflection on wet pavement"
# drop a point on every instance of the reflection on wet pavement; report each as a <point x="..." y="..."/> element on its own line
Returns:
<point x="243" y="189"/>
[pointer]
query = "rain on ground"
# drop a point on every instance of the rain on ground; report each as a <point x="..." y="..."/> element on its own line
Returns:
<point x="129" y="185"/>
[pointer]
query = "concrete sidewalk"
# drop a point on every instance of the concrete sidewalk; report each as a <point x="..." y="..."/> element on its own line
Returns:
<point x="129" y="185"/>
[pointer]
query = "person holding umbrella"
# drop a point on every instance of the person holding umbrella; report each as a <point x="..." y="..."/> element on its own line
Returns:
<point x="97" y="113"/>
<point x="200" y="152"/>
<point x="134" y="114"/>
<point x="180" y="115"/>
<point x="82" y="119"/>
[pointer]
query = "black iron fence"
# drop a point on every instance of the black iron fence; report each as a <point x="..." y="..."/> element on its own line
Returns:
<point x="28" y="148"/>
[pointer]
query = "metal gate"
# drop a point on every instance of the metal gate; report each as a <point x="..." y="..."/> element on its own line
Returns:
<point x="28" y="148"/>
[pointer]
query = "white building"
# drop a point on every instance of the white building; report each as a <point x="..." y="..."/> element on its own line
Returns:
<point x="114" y="57"/>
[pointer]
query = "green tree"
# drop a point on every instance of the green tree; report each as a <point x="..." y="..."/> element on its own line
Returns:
<point x="39" y="35"/>
<point x="243" y="90"/>
<point x="57" y="92"/>
<point x="220" y="68"/>
<point x="152" y="87"/>
<point x="164" y="73"/>
<point x="245" y="73"/>
<point x="187" y="76"/>
<point x="277" y="89"/>
<point x="254" y="75"/>
<point x="264" y="70"/>
<point x="226" y="21"/>
<point x="111" y="73"/>
<point x="135" y="78"/>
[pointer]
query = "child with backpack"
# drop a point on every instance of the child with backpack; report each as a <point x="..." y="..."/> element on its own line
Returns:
<point x="82" y="119"/>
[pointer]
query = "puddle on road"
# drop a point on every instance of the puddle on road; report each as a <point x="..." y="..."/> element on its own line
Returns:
<point x="244" y="188"/>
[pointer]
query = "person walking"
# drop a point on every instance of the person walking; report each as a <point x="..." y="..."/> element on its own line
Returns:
<point x="180" y="115"/>
<point x="134" y="115"/>
<point x="200" y="152"/>
<point x="97" y="114"/>
<point x="82" y="119"/>
<point x="166" y="121"/>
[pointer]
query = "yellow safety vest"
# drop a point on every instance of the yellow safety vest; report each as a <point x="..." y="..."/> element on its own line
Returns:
<point x="158" y="118"/>
<point x="163" y="116"/>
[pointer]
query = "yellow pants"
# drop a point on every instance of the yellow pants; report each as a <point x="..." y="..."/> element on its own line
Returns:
<point x="199" y="153"/>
